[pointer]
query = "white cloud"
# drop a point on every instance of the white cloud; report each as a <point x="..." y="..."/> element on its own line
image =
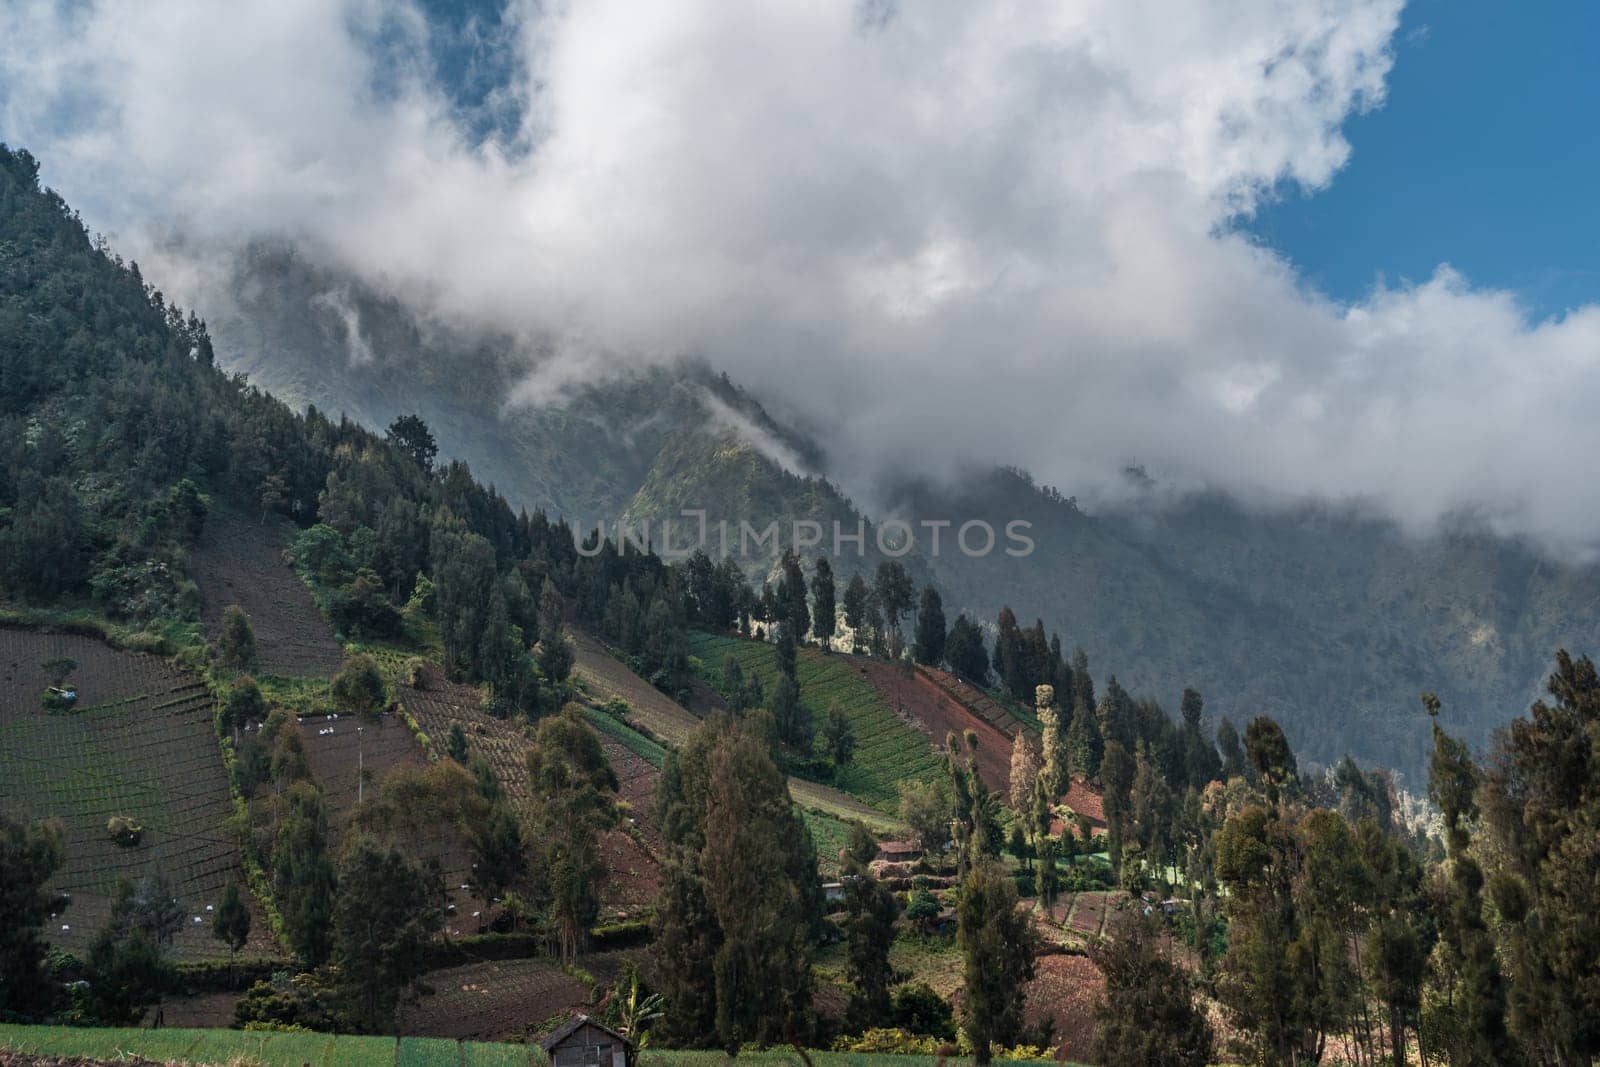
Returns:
<point x="952" y="232"/>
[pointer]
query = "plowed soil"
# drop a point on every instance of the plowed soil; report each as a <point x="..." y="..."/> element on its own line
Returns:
<point x="238" y="562"/>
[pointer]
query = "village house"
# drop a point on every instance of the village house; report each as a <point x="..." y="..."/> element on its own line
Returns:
<point x="583" y="1042"/>
<point x="899" y="852"/>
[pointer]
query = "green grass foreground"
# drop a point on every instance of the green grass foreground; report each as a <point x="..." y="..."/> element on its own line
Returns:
<point x="342" y="1050"/>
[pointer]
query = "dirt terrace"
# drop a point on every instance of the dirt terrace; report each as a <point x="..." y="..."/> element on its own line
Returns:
<point x="238" y="562"/>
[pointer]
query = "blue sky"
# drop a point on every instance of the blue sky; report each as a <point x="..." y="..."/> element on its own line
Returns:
<point x="1485" y="156"/>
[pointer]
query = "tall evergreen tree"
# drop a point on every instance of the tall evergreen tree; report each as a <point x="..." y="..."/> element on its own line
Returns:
<point x="386" y="913"/>
<point x="792" y="598"/>
<point x="1054" y="760"/>
<point x="573" y="790"/>
<point x="996" y="942"/>
<point x="740" y="906"/>
<point x="303" y="876"/>
<point x="964" y="650"/>
<point x="236" y="645"/>
<point x="930" y="638"/>
<point x="1148" y="1013"/>
<point x="893" y="587"/>
<point x="824" y="615"/>
<point x="870" y="913"/>
<point x="855" y="607"/>
<point x="29" y="856"/>
<point x="1025" y="768"/>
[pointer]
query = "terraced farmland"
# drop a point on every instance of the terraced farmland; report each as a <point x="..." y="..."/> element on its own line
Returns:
<point x="606" y="676"/>
<point x="238" y="562"/>
<point x="139" y="743"/>
<point x="977" y="701"/>
<point x="889" y="748"/>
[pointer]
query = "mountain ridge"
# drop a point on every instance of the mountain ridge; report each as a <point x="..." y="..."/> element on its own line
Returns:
<point x="1330" y="620"/>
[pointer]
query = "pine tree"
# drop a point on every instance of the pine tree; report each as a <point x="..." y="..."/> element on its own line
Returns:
<point x="303" y="876"/>
<point x="231" y="922"/>
<point x="1478" y="1004"/>
<point x="824" y="621"/>
<point x="893" y="587"/>
<point x="965" y="652"/>
<point x="1231" y="751"/>
<point x="996" y="942"/>
<point x="790" y="716"/>
<point x="1148" y="1013"/>
<point x="929" y="647"/>
<point x="412" y="436"/>
<point x="762" y="889"/>
<point x="573" y="790"/>
<point x="839" y="735"/>
<point x="386" y="913"/>
<point x="870" y="913"/>
<point x="855" y="606"/>
<point x="792" y="598"/>
<point x="236" y="646"/>
<point x="1053" y="756"/>
<point x="1083" y="743"/>
<point x="29" y="856"/>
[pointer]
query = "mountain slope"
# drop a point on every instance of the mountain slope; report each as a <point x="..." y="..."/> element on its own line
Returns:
<point x="1330" y="620"/>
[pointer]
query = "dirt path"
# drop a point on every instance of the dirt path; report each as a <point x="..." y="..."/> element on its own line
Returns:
<point x="238" y="562"/>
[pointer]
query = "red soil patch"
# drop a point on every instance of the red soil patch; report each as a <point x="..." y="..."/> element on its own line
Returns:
<point x="975" y="700"/>
<point x="1066" y="988"/>
<point x="937" y="714"/>
<point x="238" y="562"/>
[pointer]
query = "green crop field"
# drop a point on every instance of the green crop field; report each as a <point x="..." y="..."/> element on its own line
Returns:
<point x="429" y="1052"/>
<point x="889" y="750"/>
<point x="328" y="1050"/>
<point x="631" y="739"/>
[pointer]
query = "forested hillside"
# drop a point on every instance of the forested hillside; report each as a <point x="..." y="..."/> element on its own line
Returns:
<point x="1328" y="619"/>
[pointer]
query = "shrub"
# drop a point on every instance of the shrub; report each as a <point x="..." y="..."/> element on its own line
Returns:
<point x="895" y="1041"/>
<point x="359" y="686"/>
<point x="124" y="831"/>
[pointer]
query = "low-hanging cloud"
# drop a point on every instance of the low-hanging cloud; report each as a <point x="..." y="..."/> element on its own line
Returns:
<point x="941" y="233"/>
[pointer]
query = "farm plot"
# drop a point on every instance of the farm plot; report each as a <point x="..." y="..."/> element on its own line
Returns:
<point x="1095" y="914"/>
<point x="238" y="562"/>
<point x="341" y="750"/>
<point x="338" y="749"/>
<point x="889" y="749"/>
<point x="977" y="701"/>
<point x="632" y="877"/>
<point x="1065" y="988"/>
<point x="139" y="743"/>
<point x="938" y="715"/>
<point x="494" y="999"/>
<point x="607" y="677"/>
